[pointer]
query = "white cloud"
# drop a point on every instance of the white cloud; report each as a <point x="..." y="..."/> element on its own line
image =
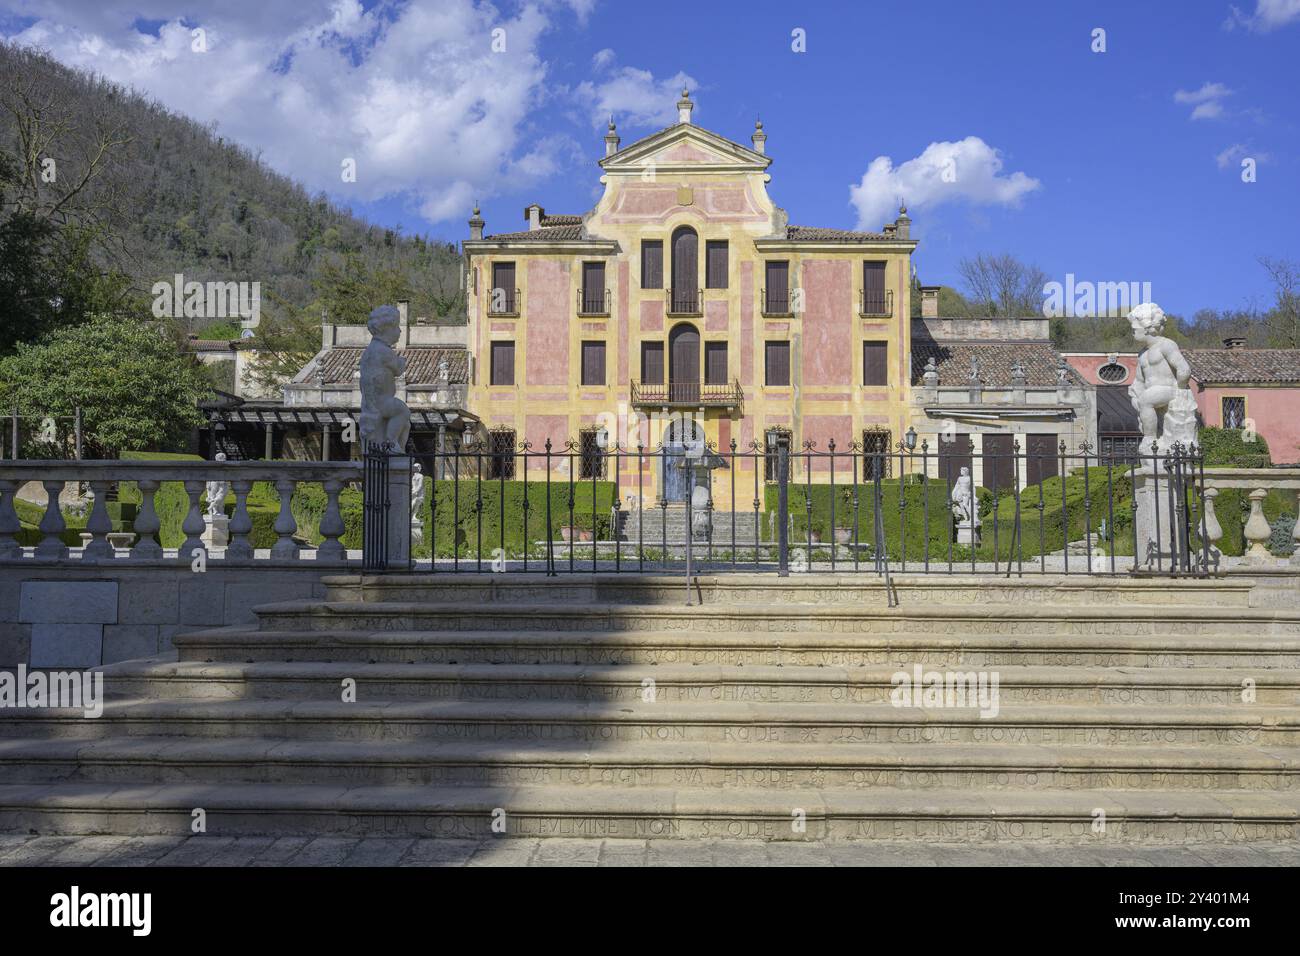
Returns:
<point x="1269" y="15"/>
<point x="414" y="94"/>
<point x="1207" y="102"/>
<point x="602" y="59"/>
<point x="1234" y="154"/>
<point x="634" y="97"/>
<point x="968" y="170"/>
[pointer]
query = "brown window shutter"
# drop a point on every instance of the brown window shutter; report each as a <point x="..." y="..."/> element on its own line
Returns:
<point x="715" y="264"/>
<point x="652" y="363"/>
<point x="715" y="363"/>
<point x="593" y="287"/>
<point x="652" y="264"/>
<point x="777" y="362"/>
<point x="503" y="363"/>
<point x="778" y="287"/>
<point x="875" y="369"/>
<point x="503" y="278"/>
<point x="593" y="363"/>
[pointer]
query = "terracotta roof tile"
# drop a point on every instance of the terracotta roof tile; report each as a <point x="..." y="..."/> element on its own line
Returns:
<point x="1244" y="365"/>
<point x="953" y="360"/>
<point x="817" y="233"/>
<point x="569" y="231"/>
<point x="340" y="364"/>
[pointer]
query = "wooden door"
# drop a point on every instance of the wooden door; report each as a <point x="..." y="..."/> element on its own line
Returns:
<point x="684" y="365"/>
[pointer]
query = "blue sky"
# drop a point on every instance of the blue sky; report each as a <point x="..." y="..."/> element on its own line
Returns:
<point x="1115" y="166"/>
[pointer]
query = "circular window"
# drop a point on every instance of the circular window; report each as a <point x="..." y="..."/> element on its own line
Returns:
<point x="1112" y="372"/>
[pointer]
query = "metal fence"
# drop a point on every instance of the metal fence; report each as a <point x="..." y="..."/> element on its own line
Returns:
<point x="586" y="505"/>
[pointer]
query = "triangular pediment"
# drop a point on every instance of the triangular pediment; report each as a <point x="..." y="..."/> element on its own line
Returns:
<point x="688" y="147"/>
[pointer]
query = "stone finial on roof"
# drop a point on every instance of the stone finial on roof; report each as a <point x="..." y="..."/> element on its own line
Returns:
<point x="1062" y="371"/>
<point x="476" y="224"/>
<point x="611" y="138"/>
<point x="759" y="139"/>
<point x="930" y="375"/>
<point x="974" y="375"/>
<point x="1018" y="374"/>
<point x="684" y="107"/>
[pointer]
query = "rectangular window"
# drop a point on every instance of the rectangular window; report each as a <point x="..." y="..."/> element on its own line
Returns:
<point x="715" y="363"/>
<point x="652" y="264"/>
<point x="591" y="463"/>
<point x="1234" y="411"/>
<point x="873" y="289"/>
<point x="876" y="447"/>
<point x="771" y="460"/>
<point x="652" y="363"/>
<point x="875" y="357"/>
<point x="591" y="297"/>
<point x="593" y="363"/>
<point x="776" y="292"/>
<point x="504" y="295"/>
<point x="715" y="264"/>
<point x="503" y="363"/>
<point x="776" y="363"/>
<point x="501" y="448"/>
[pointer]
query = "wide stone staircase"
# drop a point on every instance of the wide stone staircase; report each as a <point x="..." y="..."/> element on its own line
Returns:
<point x="651" y="527"/>
<point x="1130" y="711"/>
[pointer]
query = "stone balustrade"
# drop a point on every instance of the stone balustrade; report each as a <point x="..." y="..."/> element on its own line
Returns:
<point x="193" y="475"/>
<point x="1257" y="531"/>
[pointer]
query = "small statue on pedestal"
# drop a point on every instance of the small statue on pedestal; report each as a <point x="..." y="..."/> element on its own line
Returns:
<point x="385" y="419"/>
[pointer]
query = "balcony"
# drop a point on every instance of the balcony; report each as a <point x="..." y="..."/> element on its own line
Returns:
<point x="593" y="302"/>
<point x="684" y="302"/>
<point x="503" y="303"/>
<point x="876" y="302"/>
<point x="687" y="394"/>
<point x="777" y="304"/>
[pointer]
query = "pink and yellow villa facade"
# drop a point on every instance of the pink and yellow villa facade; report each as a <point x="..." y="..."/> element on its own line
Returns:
<point x="683" y="301"/>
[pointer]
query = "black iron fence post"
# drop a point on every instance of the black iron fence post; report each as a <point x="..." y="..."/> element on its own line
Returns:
<point x="783" y="505"/>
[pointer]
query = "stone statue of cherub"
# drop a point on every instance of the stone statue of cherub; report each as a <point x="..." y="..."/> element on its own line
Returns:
<point x="1160" y="392"/>
<point x="385" y="420"/>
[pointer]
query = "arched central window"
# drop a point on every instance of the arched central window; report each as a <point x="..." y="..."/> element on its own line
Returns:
<point x="684" y="363"/>
<point x="686" y="271"/>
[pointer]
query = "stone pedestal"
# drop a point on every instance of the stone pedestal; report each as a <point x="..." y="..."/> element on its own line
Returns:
<point x="399" y="512"/>
<point x="216" y="532"/>
<point x="968" y="533"/>
<point x="417" y="533"/>
<point x="1155" y="519"/>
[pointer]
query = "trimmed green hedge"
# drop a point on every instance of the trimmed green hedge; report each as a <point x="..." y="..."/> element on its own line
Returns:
<point x="452" y="525"/>
<point x="1225" y="447"/>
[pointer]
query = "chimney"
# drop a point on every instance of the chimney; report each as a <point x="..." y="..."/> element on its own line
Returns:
<point x="534" y="214"/>
<point x="890" y="230"/>
<point x="684" y="107"/>
<point x="929" y="301"/>
<point x="759" y="139"/>
<point x="1234" y="342"/>
<point x="611" y="139"/>
<point x="903" y="223"/>
<point x="476" y="224"/>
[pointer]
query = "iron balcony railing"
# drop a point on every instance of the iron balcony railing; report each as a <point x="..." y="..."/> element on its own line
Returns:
<point x="503" y="302"/>
<point x="876" y="302"/>
<point x="685" y="302"/>
<point x="776" y="303"/>
<point x="695" y="394"/>
<point x="593" y="301"/>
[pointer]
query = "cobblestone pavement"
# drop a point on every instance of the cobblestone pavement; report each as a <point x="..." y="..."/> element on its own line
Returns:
<point x="375" y="851"/>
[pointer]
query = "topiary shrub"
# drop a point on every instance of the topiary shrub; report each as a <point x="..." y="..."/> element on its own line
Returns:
<point x="1226" y="448"/>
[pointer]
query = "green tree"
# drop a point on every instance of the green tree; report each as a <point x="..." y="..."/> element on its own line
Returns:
<point x="136" y="390"/>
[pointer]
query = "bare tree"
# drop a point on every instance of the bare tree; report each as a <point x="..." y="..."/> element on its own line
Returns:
<point x="1283" y="319"/>
<point x="1002" y="285"/>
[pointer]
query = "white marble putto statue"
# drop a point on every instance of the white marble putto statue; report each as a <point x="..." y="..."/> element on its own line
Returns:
<point x="963" y="498"/>
<point x="216" y="492"/>
<point x="385" y="420"/>
<point x="417" y="491"/>
<point x="1160" y="393"/>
